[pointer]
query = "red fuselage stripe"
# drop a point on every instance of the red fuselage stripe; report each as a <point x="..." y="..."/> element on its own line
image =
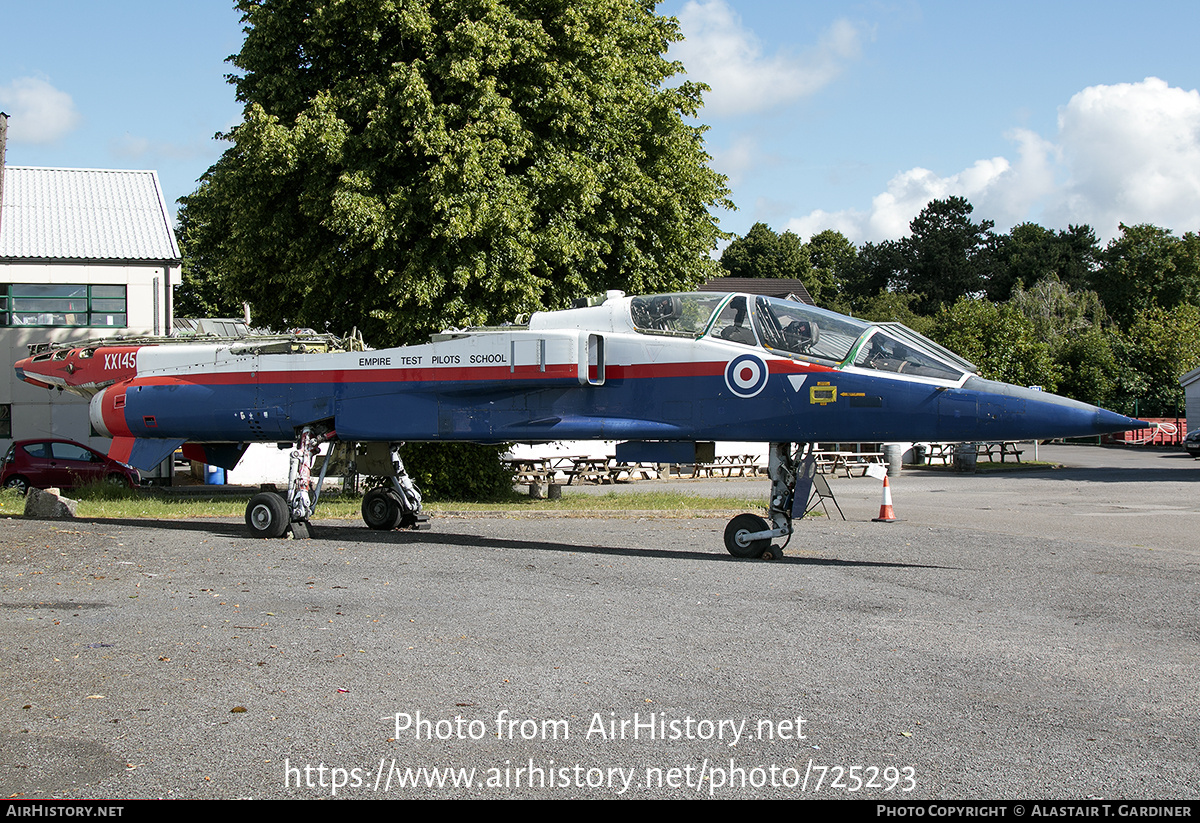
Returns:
<point x="460" y="374"/>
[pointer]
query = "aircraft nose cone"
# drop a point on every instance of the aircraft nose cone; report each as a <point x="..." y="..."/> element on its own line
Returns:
<point x="1008" y="412"/>
<point x="1074" y="419"/>
<point x="35" y="375"/>
<point x="1107" y="421"/>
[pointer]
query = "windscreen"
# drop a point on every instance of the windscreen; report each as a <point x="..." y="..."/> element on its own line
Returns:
<point x="886" y="352"/>
<point x="800" y="329"/>
<point x="685" y="315"/>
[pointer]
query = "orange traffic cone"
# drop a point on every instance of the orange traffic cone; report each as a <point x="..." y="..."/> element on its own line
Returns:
<point x="886" y="515"/>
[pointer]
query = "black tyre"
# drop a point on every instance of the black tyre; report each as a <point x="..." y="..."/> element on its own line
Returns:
<point x="381" y="510"/>
<point x="267" y="515"/>
<point x="745" y="524"/>
<point x="17" y="482"/>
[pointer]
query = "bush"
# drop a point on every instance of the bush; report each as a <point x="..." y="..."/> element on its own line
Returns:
<point x="458" y="471"/>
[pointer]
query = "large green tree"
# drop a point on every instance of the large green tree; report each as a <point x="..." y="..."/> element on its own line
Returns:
<point x="832" y="256"/>
<point x="1030" y="253"/>
<point x="1160" y="346"/>
<point x="877" y="267"/>
<point x="405" y="165"/>
<point x="999" y="340"/>
<point x="945" y="253"/>
<point x="1148" y="266"/>
<point x="763" y="253"/>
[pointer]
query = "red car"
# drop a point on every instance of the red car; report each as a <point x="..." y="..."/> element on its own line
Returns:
<point x="60" y="464"/>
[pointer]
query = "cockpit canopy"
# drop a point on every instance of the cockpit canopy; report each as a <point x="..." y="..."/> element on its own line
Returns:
<point x="797" y="330"/>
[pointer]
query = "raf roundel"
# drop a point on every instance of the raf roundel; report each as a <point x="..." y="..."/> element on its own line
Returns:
<point x="746" y="375"/>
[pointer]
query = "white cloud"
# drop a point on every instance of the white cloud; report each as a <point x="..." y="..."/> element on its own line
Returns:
<point x="38" y="112"/>
<point x="1132" y="152"/>
<point x="741" y="157"/>
<point x="130" y="147"/>
<point x="719" y="51"/>
<point x="1127" y="153"/>
<point x="907" y="193"/>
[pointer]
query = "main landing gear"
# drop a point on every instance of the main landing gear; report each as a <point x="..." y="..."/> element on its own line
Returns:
<point x="394" y="505"/>
<point x="397" y="504"/>
<point x="749" y="535"/>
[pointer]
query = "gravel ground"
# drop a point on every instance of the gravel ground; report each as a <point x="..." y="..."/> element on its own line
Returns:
<point x="1024" y="635"/>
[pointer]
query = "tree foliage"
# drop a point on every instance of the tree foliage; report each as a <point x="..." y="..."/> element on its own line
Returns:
<point x="944" y="253"/>
<point x="1090" y="371"/>
<point x="763" y="253"/>
<point x="895" y="307"/>
<point x="458" y="471"/>
<point x="833" y="258"/>
<point x="407" y="165"/>
<point x="200" y="292"/>
<point x="1146" y="266"/>
<point x="1056" y="311"/>
<point x="999" y="341"/>
<point x="1160" y="346"/>
<point x="824" y="264"/>
<point x="877" y="268"/>
<point x="1030" y="253"/>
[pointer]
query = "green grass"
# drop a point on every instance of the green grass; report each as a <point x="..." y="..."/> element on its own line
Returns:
<point x="105" y="501"/>
<point x="11" y="503"/>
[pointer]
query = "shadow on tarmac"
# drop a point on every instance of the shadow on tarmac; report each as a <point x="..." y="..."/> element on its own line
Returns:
<point x="469" y="541"/>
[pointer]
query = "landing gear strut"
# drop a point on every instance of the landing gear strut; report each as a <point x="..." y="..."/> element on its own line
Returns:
<point x="397" y="504"/>
<point x="749" y="535"/>
<point x="300" y="500"/>
<point x="270" y="514"/>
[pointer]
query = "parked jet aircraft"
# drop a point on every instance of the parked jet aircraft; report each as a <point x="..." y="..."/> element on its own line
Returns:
<point x="666" y="373"/>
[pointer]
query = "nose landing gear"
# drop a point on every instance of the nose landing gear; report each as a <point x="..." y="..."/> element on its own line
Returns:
<point x="791" y="468"/>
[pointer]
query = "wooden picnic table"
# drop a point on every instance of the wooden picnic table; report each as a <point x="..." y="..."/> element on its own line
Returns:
<point x="1001" y="449"/>
<point x="831" y="461"/>
<point x="731" y="465"/>
<point x="941" y="452"/>
<point x="633" y="471"/>
<point x="944" y="452"/>
<point x="528" y="471"/>
<point x="726" y="465"/>
<point x="593" y="469"/>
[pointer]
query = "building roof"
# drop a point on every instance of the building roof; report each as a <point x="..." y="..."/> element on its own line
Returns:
<point x="769" y="286"/>
<point x="84" y="214"/>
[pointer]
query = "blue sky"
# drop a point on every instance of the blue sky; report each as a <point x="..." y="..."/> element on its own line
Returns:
<point x="822" y="114"/>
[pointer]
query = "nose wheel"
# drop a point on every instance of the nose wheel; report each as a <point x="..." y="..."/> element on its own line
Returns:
<point x="737" y="536"/>
<point x="741" y="542"/>
<point x="791" y="468"/>
<point x="381" y="510"/>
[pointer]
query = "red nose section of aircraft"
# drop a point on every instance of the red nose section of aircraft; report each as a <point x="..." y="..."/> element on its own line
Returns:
<point x="84" y="370"/>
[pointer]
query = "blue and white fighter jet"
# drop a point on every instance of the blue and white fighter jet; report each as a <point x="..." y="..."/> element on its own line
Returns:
<point x="663" y="373"/>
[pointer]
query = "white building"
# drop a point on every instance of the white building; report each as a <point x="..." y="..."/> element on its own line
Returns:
<point x="84" y="254"/>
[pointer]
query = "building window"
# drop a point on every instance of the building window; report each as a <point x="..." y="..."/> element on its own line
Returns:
<point x="5" y="420"/>
<point x="56" y="305"/>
